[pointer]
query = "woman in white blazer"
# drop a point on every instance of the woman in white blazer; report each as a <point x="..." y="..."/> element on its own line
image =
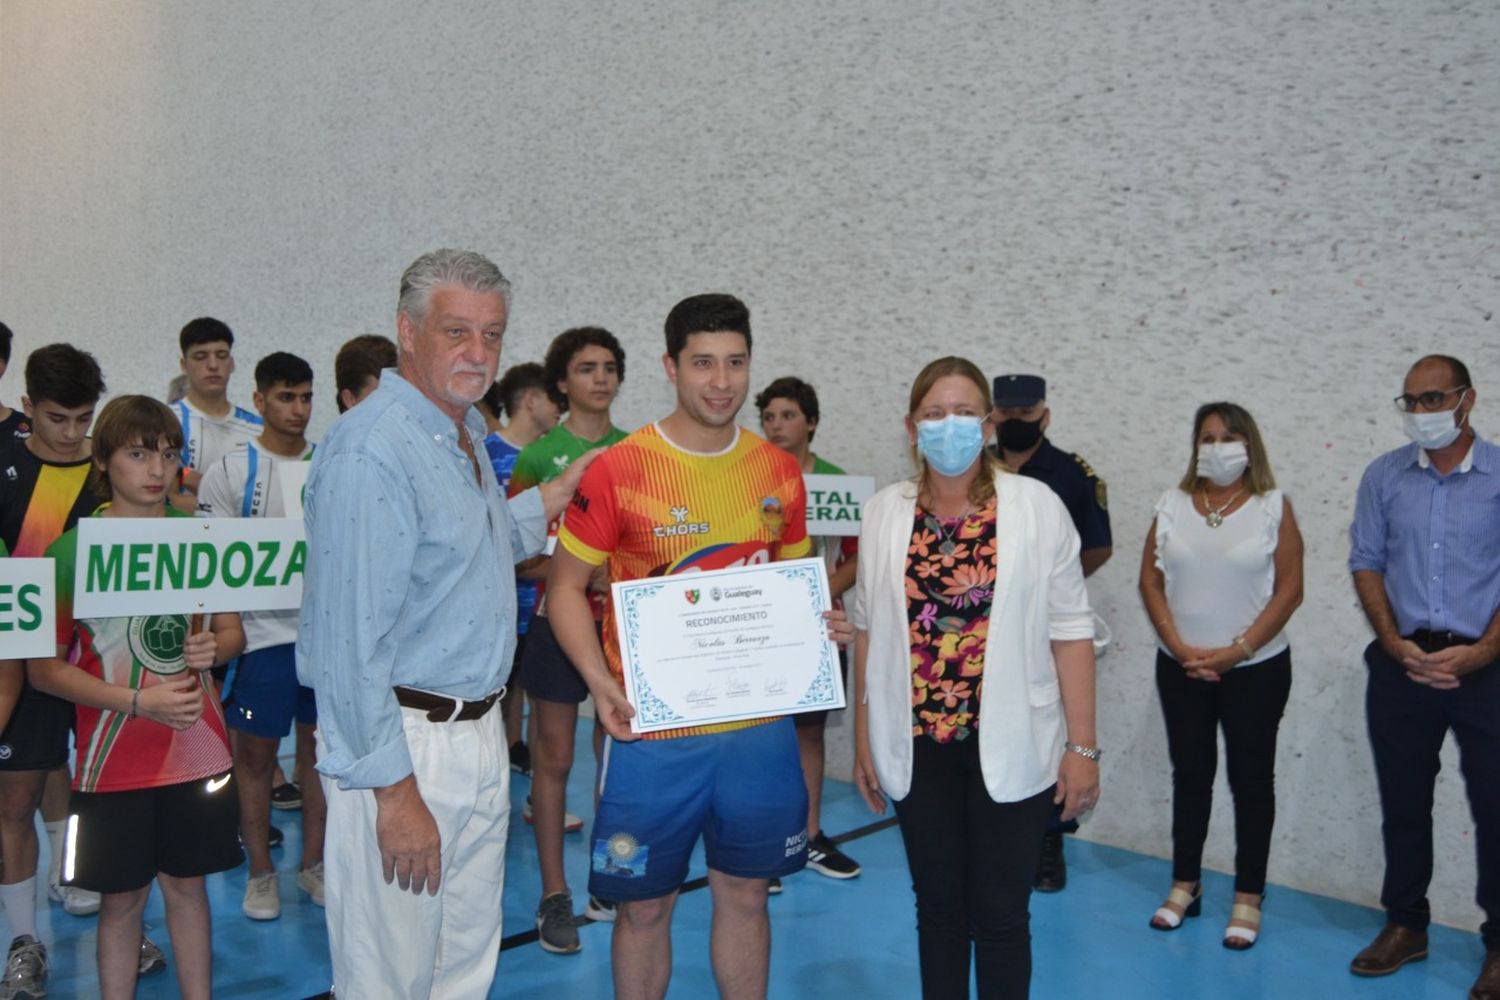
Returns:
<point x="974" y="672"/>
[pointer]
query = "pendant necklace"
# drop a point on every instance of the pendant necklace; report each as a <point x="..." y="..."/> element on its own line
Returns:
<point x="948" y="544"/>
<point x="1215" y="515"/>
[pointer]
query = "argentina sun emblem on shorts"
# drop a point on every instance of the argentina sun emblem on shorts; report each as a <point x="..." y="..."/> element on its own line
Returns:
<point x="620" y="856"/>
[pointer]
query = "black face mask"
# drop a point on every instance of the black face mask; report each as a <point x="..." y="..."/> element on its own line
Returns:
<point x="1019" y="435"/>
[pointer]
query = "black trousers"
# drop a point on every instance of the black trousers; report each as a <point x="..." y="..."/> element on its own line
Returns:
<point x="972" y="863"/>
<point x="1247" y="704"/>
<point x="1408" y="722"/>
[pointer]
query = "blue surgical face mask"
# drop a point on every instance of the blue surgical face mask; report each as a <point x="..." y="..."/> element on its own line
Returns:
<point x="951" y="445"/>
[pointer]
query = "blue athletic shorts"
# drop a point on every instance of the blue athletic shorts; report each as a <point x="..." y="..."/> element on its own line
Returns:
<point x="741" y="790"/>
<point x="264" y="696"/>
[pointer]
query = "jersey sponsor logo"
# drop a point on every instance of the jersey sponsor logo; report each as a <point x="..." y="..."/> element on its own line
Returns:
<point x="5" y="751"/>
<point x="723" y="556"/>
<point x="580" y="501"/>
<point x="156" y="642"/>
<point x="772" y="515"/>
<point x="621" y="856"/>
<point x="681" y="525"/>
<point x="11" y="474"/>
<point x="796" y="845"/>
<point x="560" y="461"/>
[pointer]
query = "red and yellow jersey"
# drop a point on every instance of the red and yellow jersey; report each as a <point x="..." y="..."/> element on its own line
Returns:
<point x="649" y="508"/>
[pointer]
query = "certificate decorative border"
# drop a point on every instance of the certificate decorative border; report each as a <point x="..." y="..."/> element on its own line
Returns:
<point x="650" y="709"/>
<point x="652" y="712"/>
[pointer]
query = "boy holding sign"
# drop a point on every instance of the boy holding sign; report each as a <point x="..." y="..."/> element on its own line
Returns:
<point x="262" y="696"/>
<point x="789" y="419"/>
<point x="151" y="796"/>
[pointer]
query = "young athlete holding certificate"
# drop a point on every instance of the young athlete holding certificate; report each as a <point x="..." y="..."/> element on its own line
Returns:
<point x="690" y="492"/>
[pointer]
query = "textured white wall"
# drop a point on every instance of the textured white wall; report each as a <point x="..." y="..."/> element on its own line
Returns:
<point x="1151" y="203"/>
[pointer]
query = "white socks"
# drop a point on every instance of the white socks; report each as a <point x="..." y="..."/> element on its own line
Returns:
<point x="19" y="901"/>
<point x="55" y="846"/>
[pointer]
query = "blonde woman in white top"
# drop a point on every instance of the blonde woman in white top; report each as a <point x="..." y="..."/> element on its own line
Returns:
<point x="974" y="662"/>
<point x="1220" y="576"/>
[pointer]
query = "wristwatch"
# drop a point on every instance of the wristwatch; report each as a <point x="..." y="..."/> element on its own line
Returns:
<point x="1092" y="753"/>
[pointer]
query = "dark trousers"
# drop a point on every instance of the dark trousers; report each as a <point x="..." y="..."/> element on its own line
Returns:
<point x="1247" y="704"/>
<point x="972" y="862"/>
<point x="1408" y="722"/>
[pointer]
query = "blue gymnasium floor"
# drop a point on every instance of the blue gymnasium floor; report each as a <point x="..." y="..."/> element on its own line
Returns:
<point x="852" y="939"/>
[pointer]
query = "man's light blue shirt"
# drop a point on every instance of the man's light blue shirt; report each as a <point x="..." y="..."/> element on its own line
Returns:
<point x="410" y="575"/>
<point x="1436" y="539"/>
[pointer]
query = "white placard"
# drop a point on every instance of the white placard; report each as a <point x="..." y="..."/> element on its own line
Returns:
<point x="727" y="645"/>
<point x="834" y="502"/>
<point x="180" y="565"/>
<point x="28" y="608"/>
<point x="293" y="479"/>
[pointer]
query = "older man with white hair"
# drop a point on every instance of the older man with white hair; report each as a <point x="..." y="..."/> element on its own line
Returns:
<point x="407" y="633"/>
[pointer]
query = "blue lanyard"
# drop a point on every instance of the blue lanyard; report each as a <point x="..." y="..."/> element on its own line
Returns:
<point x="254" y="457"/>
<point x="187" y="444"/>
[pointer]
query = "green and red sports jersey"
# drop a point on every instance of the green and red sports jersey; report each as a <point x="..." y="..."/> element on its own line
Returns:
<point x="545" y="459"/>
<point x="115" y="752"/>
<point x="649" y="508"/>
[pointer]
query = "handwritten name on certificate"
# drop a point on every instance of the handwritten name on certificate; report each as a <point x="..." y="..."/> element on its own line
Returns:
<point x="726" y="645"/>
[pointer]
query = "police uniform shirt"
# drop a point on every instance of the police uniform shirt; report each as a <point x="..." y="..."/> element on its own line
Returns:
<point x="1080" y="489"/>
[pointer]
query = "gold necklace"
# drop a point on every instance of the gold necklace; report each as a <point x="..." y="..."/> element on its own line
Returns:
<point x="1215" y="515"/>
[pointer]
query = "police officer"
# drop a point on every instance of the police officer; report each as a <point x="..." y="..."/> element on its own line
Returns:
<point x="1021" y="419"/>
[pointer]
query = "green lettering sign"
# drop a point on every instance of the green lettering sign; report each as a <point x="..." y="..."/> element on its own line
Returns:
<point x="238" y="577"/>
<point x="106" y="568"/>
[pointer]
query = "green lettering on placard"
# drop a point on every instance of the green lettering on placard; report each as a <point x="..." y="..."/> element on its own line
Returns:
<point x="295" y="563"/>
<point x="238" y="577"/>
<point x="171" y="561"/>
<point x="263" y="575"/>
<point x="5" y="625"/>
<point x="204" y="563"/>
<point x="106" y="568"/>
<point x="139" y="576"/>
<point x="28" y="600"/>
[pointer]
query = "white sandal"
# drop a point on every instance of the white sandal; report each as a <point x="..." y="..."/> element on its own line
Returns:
<point x="1189" y="904"/>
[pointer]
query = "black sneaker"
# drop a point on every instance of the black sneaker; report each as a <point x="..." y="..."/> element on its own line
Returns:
<point x="773" y="888"/>
<point x="555" y="930"/>
<point x="520" y="758"/>
<point x="1051" y="867"/>
<point x="601" y="910"/>
<point x="286" y="796"/>
<point x="152" y="958"/>
<point x="274" y="839"/>
<point x="825" y="858"/>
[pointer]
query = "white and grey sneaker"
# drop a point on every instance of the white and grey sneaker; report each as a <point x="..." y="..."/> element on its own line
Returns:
<point x="262" y="897"/>
<point x="75" y="902"/>
<point x="25" y="970"/>
<point x="555" y="929"/>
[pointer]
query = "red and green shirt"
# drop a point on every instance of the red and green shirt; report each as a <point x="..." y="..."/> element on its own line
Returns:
<point x="115" y="752"/>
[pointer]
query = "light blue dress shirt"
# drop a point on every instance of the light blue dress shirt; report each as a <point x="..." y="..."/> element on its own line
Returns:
<point x="1435" y="538"/>
<point x="410" y="575"/>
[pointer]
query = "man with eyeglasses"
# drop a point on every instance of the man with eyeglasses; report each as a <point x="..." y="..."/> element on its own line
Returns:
<point x="1425" y="554"/>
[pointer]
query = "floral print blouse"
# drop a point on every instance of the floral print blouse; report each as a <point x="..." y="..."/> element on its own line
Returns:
<point x="950" y="583"/>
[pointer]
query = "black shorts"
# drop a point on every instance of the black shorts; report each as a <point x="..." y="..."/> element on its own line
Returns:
<point x="804" y="719"/>
<point x="37" y="737"/>
<point x="546" y="672"/>
<point x="120" y="841"/>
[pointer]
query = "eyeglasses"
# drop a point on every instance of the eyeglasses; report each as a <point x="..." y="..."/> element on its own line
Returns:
<point x="1406" y="402"/>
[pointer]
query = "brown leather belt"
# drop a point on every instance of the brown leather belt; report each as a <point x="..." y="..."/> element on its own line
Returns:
<point x="441" y="708"/>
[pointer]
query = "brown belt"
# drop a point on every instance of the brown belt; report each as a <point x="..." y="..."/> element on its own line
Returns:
<point x="441" y="708"/>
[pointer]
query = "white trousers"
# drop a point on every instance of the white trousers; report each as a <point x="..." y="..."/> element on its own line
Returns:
<point x="390" y="943"/>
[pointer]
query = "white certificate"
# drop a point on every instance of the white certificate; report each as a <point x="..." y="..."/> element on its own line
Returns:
<point x="725" y="645"/>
